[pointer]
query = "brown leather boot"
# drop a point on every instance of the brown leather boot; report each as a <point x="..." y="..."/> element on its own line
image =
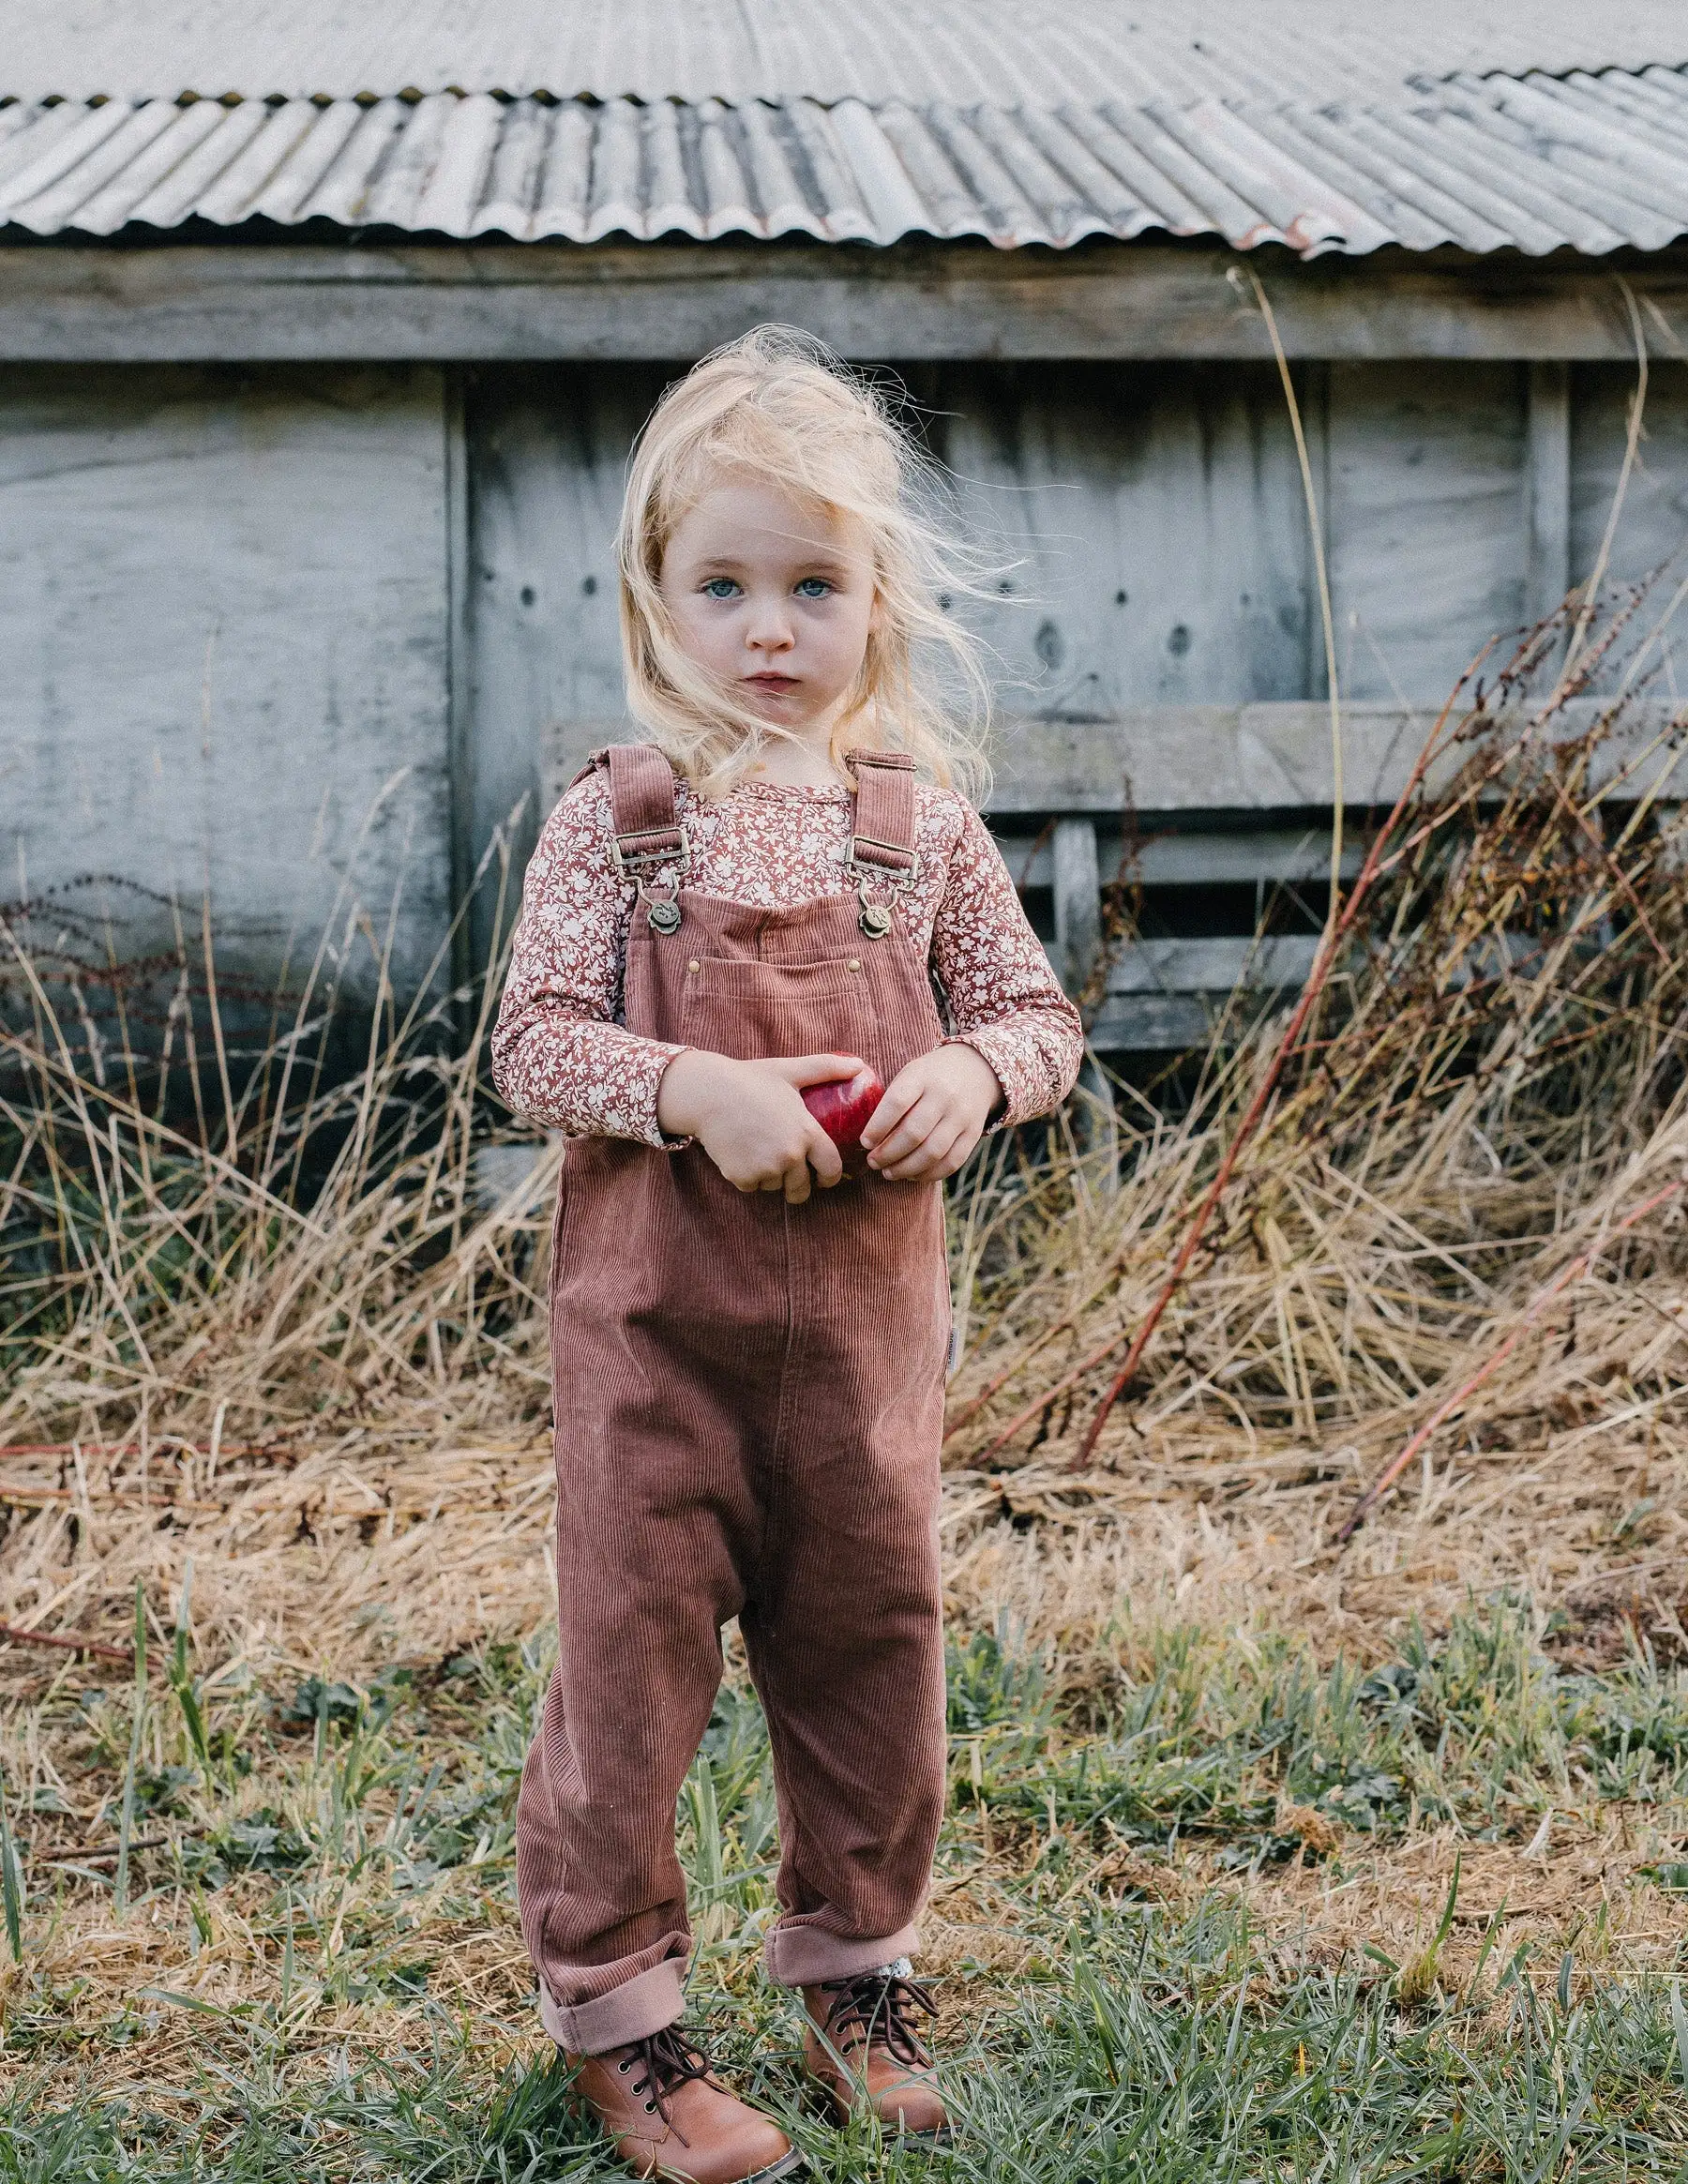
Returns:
<point x="670" y="2117"/>
<point x="861" y="2044"/>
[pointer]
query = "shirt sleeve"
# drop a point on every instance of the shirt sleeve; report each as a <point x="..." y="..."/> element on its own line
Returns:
<point x="1005" y="1001"/>
<point x="559" y="1053"/>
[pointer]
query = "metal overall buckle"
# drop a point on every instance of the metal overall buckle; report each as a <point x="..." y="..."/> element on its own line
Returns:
<point x="876" y="918"/>
<point x="663" y="911"/>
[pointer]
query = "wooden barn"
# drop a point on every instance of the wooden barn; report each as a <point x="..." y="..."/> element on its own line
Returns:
<point x="325" y="331"/>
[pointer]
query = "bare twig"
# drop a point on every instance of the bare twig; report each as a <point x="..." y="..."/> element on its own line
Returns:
<point x="104" y="1854"/>
<point x="13" y="1633"/>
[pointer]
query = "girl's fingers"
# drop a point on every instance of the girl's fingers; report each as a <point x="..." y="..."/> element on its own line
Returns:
<point x="961" y="1151"/>
<point x="902" y="1094"/>
<point x="916" y="1126"/>
<point x="801" y="1069"/>
<point x="942" y="1154"/>
<point x="825" y="1159"/>
<point x="921" y="1160"/>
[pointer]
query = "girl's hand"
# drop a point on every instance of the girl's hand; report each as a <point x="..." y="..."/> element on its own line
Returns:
<point x="750" y="1118"/>
<point x="933" y="1114"/>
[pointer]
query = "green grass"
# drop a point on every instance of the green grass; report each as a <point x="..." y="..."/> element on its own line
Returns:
<point x="354" y="1836"/>
<point x="1161" y="2054"/>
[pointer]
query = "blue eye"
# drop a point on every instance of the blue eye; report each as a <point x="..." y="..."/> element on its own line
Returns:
<point x="813" y="588"/>
<point x="721" y="588"/>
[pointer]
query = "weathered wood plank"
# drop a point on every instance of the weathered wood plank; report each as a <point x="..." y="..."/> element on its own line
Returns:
<point x="1163" y="1023"/>
<point x="1193" y="859"/>
<point x="1078" y="882"/>
<point x="1546" y="489"/>
<point x="1147" y="523"/>
<point x="223" y="615"/>
<point x="1162" y="761"/>
<point x="485" y="301"/>
<point x="1652" y="526"/>
<point x="548" y="456"/>
<point x="460" y="705"/>
<point x="1167" y="995"/>
<point x="1424" y="521"/>
<point x="1170" y="761"/>
<point x="1213" y="966"/>
<point x="569" y="743"/>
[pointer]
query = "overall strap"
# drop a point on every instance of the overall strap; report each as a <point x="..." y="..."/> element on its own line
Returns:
<point x="884" y="814"/>
<point x="642" y="800"/>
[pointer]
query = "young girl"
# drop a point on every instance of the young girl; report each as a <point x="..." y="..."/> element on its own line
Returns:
<point x="747" y="1349"/>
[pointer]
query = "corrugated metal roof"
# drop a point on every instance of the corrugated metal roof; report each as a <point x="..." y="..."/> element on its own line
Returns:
<point x="1536" y="162"/>
<point x="966" y="53"/>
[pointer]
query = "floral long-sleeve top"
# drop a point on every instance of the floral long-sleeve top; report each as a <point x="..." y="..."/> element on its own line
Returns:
<point x="561" y="1050"/>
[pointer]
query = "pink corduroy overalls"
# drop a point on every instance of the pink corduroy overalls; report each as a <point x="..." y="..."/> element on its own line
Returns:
<point x="749" y="1400"/>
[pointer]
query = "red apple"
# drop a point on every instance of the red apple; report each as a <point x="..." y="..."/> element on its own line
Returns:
<point x="842" y="1107"/>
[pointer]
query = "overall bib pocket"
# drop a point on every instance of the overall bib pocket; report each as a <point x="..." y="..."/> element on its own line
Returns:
<point x="754" y="1010"/>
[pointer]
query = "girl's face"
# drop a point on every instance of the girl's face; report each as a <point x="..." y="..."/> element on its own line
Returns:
<point x="773" y="598"/>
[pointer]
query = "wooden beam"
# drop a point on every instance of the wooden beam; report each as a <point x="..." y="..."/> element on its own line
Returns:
<point x="1191" y="858"/>
<point x="1164" y="761"/>
<point x="1166" y="995"/>
<point x="1161" y="1023"/>
<point x="1214" y="965"/>
<point x="1546" y="489"/>
<point x="489" y="301"/>
<point x="1077" y="881"/>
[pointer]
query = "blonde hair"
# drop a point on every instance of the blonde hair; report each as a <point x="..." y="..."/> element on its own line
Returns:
<point x="777" y="405"/>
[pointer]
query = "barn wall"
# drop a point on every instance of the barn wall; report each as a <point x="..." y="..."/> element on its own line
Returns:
<point x="227" y="604"/>
<point x="222" y="613"/>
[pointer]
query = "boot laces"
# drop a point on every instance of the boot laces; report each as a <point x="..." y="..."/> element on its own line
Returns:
<point x="880" y="2007"/>
<point x="668" y="2060"/>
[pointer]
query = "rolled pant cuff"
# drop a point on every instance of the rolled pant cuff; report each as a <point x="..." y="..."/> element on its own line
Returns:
<point x="802" y="1956"/>
<point x="634" y="2011"/>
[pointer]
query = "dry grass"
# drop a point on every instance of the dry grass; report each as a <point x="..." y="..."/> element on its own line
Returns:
<point x="290" y="1347"/>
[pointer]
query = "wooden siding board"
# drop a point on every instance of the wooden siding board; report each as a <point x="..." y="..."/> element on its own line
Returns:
<point x="222" y="610"/>
<point x="1269" y="855"/>
<point x="1546" y="489"/>
<point x="1150" y="523"/>
<point x="485" y="302"/>
<point x="1426" y="522"/>
<point x="1652" y="528"/>
<point x="547" y="457"/>
<point x="1211" y="764"/>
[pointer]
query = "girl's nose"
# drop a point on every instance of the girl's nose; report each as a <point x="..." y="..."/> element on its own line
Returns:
<point x="770" y="631"/>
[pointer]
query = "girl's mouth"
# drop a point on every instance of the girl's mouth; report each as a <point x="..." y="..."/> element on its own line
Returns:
<point x="776" y="685"/>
